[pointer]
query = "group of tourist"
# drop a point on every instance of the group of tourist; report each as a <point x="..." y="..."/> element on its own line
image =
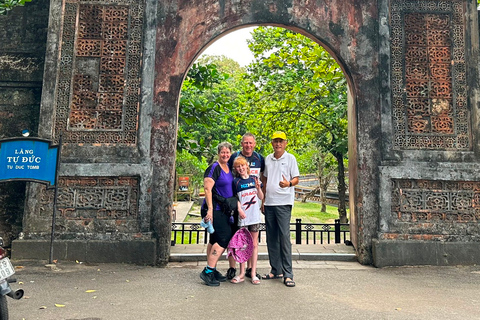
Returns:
<point x="239" y="187"/>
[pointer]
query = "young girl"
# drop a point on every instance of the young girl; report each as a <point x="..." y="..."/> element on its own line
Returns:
<point x="249" y="191"/>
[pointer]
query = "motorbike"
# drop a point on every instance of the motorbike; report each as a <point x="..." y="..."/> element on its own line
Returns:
<point x="6" y="273"/>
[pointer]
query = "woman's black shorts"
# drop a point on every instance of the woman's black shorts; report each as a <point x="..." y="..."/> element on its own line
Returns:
<point x="223" y="230"/>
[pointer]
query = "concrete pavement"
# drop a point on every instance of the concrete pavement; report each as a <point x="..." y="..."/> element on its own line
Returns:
<point x="324" y="290"/>
<point x="321" y="252"/>
<point x="329" y="285"/>
<point x="182" y="208"/>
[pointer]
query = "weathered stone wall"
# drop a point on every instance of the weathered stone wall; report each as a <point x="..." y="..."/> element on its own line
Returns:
<point x="23" y="37"/>
<point x="92" y="94"/>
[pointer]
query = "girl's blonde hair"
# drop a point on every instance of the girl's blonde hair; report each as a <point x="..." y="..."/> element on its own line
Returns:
<point x="239" y="161"/>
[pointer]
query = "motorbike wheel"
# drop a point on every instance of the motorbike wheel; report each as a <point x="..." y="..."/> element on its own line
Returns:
<point x="3" y="308"/>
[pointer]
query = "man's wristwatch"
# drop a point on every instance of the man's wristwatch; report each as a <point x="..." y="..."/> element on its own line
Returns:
<point x="290" y="183"/>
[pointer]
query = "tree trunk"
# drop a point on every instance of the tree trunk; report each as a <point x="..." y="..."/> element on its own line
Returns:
<point x="323" y="193"/>
<point x="342" y="208"/>
<point x="324" y="204"/>
<point x="321" y="183"/>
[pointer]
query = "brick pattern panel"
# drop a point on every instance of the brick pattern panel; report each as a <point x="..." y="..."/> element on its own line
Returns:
<point x="429" y="75"/>
<point x="104" y="208"/>
<point x="434" y="210"/>
<point x="98" y="86"/>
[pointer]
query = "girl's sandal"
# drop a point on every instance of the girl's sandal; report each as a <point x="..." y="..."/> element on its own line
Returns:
<point x="237" y="279"/>
<point x="255" y="280"/>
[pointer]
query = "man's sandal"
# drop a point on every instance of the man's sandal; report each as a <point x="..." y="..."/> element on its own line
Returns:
<point x="289" y="283"/>
<point x="270" y="276"/>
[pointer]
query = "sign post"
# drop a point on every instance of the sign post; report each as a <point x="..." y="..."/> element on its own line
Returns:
<point x="32" y="160"/>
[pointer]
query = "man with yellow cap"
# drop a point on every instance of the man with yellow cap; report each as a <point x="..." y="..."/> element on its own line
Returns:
<point x="279" y="178"/>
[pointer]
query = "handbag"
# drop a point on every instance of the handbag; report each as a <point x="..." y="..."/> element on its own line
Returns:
<point x="240" y="246"/>
<point x="229" y="205"/>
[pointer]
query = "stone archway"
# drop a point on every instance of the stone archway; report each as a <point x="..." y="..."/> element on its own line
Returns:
<point x="342" y="37"/>
<point x="350" y="103"/>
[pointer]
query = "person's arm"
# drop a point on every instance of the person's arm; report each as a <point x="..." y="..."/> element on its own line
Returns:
<point x="264" y="190"/>
<point x="294" y="172"/>
<point x="241" y="213"/>
<point x="294" y="181"/>
<point x="259" y="187"/>
<point x="208" y="184"/>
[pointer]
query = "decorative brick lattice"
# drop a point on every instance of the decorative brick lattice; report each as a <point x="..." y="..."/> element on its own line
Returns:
<point x="98" y="197"/>
<point x="436" y="201"/>
<point x="101" y="207"/>
<point x="429" y="75"/>
<point x="98" y="85"/>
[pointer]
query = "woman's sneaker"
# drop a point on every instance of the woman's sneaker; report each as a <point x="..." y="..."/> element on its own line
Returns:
<point x="209" y="278"/>
<point x="220" y="277"/>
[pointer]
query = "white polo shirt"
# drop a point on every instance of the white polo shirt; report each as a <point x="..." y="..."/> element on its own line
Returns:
<point x="287" y="166"/>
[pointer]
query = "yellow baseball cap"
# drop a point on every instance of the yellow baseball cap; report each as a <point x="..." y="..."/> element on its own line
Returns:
<point x="279" y="135"/>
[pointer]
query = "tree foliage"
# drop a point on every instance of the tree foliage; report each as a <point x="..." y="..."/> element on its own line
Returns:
<point x="223" y="63"/>
<point x="210" y="97"/>
<point x="296" y="86"/>
<point x="205" y="106"/>
<point x="7" y="5"/>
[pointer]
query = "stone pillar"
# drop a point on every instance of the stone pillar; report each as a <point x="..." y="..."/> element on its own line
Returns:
<point x="23" y="38"/>
<point x="429" y="185"/>
<point x="97" y="99"/>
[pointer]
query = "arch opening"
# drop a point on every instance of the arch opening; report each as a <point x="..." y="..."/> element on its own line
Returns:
<point x="263" y="135"/>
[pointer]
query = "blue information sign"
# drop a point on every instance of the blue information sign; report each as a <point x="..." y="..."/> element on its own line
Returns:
<point x="28" y="159"/>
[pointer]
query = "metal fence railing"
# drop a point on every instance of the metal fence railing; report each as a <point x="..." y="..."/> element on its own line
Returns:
<point x="301" y="233"/>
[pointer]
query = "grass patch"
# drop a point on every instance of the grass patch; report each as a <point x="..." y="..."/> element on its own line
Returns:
<point x="307" y="211"/>
<point x="310" y="212"/>
<point x="188" y="238"/>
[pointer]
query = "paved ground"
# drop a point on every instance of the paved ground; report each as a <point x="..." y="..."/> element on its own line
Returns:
<point x="319" y="252"/>
<point x="329" y="286"/>
<point x="181" y="210"/>
<point x="325" y="290"/>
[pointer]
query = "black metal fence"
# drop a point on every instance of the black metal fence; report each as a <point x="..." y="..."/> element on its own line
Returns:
<point x="301" y="233"/>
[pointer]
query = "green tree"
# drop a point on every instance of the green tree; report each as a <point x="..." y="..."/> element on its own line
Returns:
<point x="195" y="110"/>
<point x="324" y="165"/>
<point x="7" y="5"/>
<point x="209" y="98"/>
<point x="294" y="85"/>
<point x="223" y="63"/>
